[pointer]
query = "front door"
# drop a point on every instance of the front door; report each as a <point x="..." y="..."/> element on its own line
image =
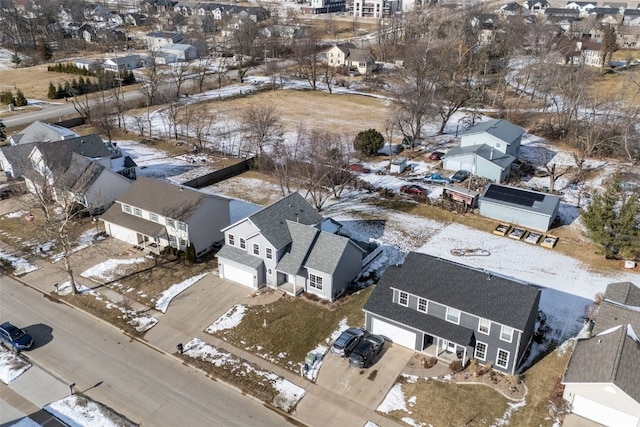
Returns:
<point x="448" y="346"/>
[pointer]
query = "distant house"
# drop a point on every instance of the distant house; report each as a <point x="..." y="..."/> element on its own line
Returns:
<point x="158" y="39"/>
<point x="536" y="6"/>
<point x="155" y="214"/>
<point x="87" y="64"/>
<point x="288" y="245"/>
<point x="123" y="63"/>
<point x="527" y="208"/>
<point x="41" y="132"/>
<point x="454" y="312"/>
<point x="602" y="379"/>
<point x="177" y="52"/>
<point x="347" y="55"/>
<point x="487" y="149"/>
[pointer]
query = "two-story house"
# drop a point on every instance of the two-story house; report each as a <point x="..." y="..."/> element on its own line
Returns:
<point x="158" y="39"/>
<point x="454" y="312"/>
<point x="487" y="149"/>
<point x="290" y="246"/>
<point x="346" y="55"/>
<point x="154" y="214"/>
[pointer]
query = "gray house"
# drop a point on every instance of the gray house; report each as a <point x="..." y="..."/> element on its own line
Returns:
<point x="42" y="132"/>
<point x="453" y="312"/>
<point x="602" y="380"/>
<point x="527" y="208"/>
<point x="487" y="149"/>
<point x="290" y="246"/>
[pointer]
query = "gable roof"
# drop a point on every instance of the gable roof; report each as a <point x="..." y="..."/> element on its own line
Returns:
<point x="302" y="240"/>
<point x="499" y="128"/>
<point x="467" y="289"/>
<point x="495" y="156"/>
<point x="520" y="198"/>
<point x="42" y="132"/>
<point x="174" y="201"/>
<point x="327" y="252"/>
<point x="612" y="355"/>
<point x="17" y="156"/>
<point x="272" y="220"/>
<point x="57" y="155"/>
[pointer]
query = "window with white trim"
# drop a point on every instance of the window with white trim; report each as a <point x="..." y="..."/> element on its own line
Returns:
<point x="403" y="299"/>
<point x="453" y="315"/>
<point x="506" y="334"/>
<point x="182" y="226"/>
<point x="183" y="244"/>
<point x="172" y="241"/>
<point x="481" y="351"/>
<point x="503" y="358"/>
<point x="422" y="305"/>
<point x="243" y="243"/>
<point x="315" y="281"/>
<point x="269" y="252"/>
<point x="256" y="249"/>
<point x="232" y="239"/>
<point x="137" y="212"/>
<point x="170" y="223"/>
<point x="126" y="208"/>
<point x="153" y="217"/>
<point x="484" y="326"/>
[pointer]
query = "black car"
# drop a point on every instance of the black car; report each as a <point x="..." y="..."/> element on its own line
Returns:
<point x="366" y="352"/>
<point x="14" y="337"/>
<point x="347" y="341"/>
<point x="460" y="176"/>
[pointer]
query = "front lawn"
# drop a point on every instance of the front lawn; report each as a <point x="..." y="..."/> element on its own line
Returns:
<point x="285" y="331"/>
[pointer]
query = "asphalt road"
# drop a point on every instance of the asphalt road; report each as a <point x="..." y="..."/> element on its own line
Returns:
<point x="146" y="386"/>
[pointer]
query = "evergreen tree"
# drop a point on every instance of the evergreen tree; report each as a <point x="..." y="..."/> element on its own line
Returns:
<point x="611" y="220"/>
<point x="16" y="60"/>
<point x="21" y="100"/>
<point x="368" y="141"/>
<point x="3" y="131"/>
<point x="45" y="49"/>
<point x="6" y="97"/>
<point x="52" y="93"/>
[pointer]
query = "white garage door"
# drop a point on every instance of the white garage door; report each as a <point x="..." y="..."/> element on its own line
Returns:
<point x="237" y="275"/>
<point x="395" y="334"/>
<point x="602" y="414"/>
<point x="452" y="165"/>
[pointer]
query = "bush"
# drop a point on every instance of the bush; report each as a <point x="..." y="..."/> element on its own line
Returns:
<point x="455" y="366"/>
<point x="429" y="362"/>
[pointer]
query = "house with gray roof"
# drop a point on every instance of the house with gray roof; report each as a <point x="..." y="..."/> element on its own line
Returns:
<point x="288" y="245"/>
<point x="153" y="214"/>
<point x="41" y="132"/>
<point x="487" y="149"/>
<point x="602" y="379"/>
<point x="454" y="312"/>
<point x="519" y="206"/>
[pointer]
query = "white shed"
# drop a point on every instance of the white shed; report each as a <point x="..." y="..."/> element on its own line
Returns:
<point x="398" y="165"/>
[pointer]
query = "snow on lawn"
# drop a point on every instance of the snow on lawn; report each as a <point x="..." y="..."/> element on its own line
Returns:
<point x="165" y="298"/>
<point x="288" y="393"/>
<point x="20" y="265"/>
<point x="79" y="411"/>
<point x="85" y="240"/>
<point x="394" y="401"/>
<point x="16" y="214"/>
<point x="11" y="365"/>
<point x="109" y="270"/>
<point x="229" y="320"/>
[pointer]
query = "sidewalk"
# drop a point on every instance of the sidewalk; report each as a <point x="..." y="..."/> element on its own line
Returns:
<point x="320" y="406"/>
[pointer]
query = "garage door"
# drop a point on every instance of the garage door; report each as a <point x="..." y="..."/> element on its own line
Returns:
<point x="395" y="334"/>
<point x="602" y="414"/>
<point x="237" y="275"/>
<point x="451" y="165"/>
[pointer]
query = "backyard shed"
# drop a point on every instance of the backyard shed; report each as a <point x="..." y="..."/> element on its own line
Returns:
<point x="398" y="165"/>
<point x="527" y="208"/>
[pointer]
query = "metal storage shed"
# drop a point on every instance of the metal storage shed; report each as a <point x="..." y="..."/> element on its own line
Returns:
<point x="527" y="208"/>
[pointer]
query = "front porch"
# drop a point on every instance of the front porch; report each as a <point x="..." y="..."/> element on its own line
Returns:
<point x="290" y="288"/>
<point x="444" y="350"/>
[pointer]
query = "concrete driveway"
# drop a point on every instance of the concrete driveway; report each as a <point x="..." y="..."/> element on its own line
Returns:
<point x="368" y="387"/>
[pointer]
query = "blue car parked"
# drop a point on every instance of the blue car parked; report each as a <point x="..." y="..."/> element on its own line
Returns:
<point x="15" y="338"/>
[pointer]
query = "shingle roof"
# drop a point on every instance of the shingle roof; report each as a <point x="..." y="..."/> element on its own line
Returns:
<point x="43" y="132"/>
<point x="57" y="154"/>
<point x="506" y="131"/>
<point x="115" y="215"/>
<point x="272" y="220"/>
<point x="173" y="201"/>
<point x="240" y="256"/>
<point x="495" y="156"/>
<point x="81" y="174"/>
<point x="327" y="252"/>
<point x="302" y="239"/>
<point x="17" y="156"/>
<point x="521" y="198"/>
<point x="454" y="285"/>
<point x="623" y="293"/>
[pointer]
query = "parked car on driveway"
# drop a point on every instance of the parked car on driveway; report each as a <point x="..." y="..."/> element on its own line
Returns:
<point x="15" y="338"/>
<point x="460" y="176"/>
<point x="366" y="352"/>
<point x="414" y="189"/>
<point x="436" y="178"/>
<point x="347" y="341"/>
<point x="357" y="167"/>
<point x="436" y="155"/>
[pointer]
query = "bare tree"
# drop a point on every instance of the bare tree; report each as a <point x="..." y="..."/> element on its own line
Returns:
<point x="261" y="127"/>
<point x="285" y="156"/>
<point x="306" y="54"/>
<point x="178" y="74"/>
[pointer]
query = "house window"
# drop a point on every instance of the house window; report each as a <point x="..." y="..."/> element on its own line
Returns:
<point x="422" y="305"/>
<point x="481" y="351"/>
<point x="183" y="244"/>
<point x="256" y="249"/>
<point x="484" y="326"/>
<point x="506" y="334"/>
<point x="232" y="239"/>
<point x="170" y="222"/>
<point x="172" y="241"/>
<point x="182" y="226"/>
<point x="243" y="243"/>
<point x="503" y="358"/>
<point x="126" y="208"/>
<point x="137" y="212"/>
<point x="453" y="315"/>
<point x="153" y="217"/>
<point x="403" y="299"/>
<point x="269" y="253"/>
<point x="315" y="281"/>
